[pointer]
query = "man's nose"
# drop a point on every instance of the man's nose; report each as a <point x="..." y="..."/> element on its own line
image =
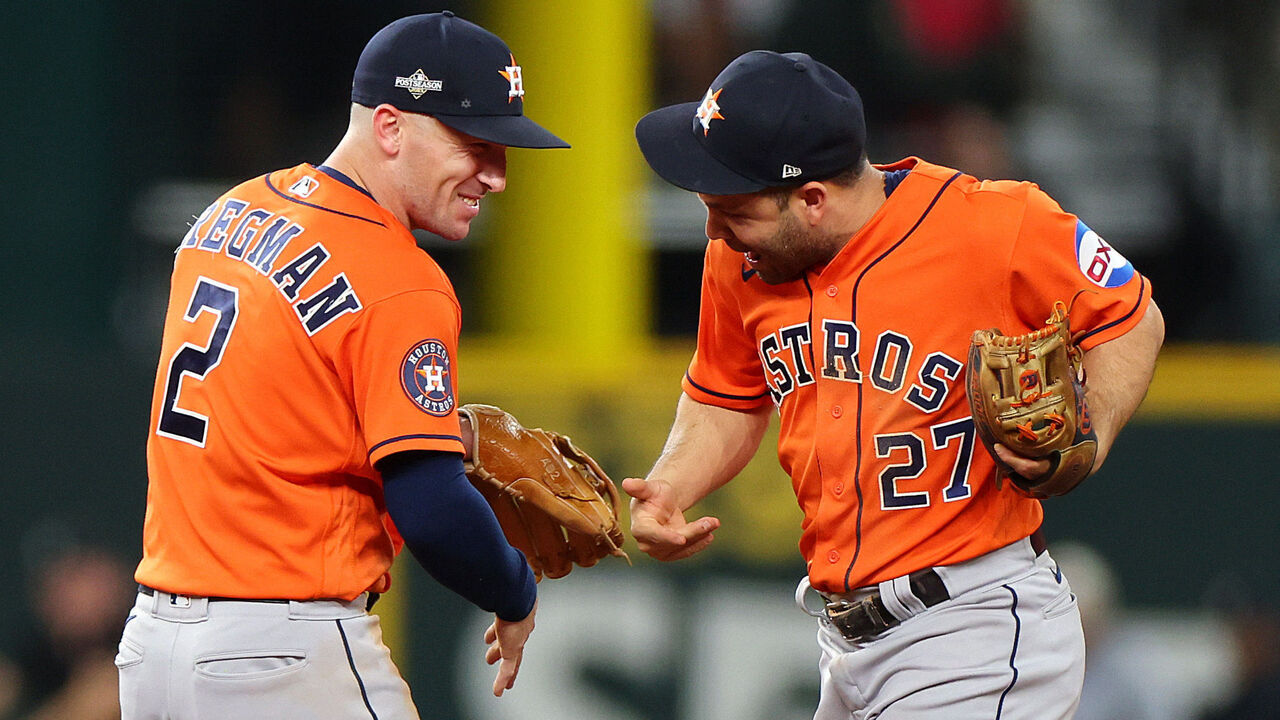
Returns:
<point x="494" y="172"/>
<point x="716" y="228"/>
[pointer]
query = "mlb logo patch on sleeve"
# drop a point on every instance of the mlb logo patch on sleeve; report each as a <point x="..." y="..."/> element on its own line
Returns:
<point x="1101" y="263"/>
<point x="424" y="374"/>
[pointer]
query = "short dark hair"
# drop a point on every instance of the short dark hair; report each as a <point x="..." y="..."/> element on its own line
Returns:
<point x="782" y="194"/>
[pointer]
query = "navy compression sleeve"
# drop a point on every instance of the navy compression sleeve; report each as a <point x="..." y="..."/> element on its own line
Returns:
<point x="452" y="532"/>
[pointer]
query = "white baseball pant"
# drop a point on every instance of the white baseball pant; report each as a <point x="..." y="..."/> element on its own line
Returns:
<point x="1008" y="645"/>
<point x="188" y="657"/>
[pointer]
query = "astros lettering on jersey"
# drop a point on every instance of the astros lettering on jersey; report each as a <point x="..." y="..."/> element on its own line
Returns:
<point x="266" y="489"/>
<point x="874" y="345"/>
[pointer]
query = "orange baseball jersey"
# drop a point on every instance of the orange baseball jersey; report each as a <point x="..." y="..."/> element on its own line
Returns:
<point x="864" y="360"/>
<point x="307" y="337"/>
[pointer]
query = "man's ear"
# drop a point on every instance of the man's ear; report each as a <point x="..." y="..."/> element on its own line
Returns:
<point x="814" y="202"/>
<point x="388" y="128"/>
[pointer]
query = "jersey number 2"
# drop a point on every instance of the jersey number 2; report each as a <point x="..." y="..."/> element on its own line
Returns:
<point x="192" y="360"/>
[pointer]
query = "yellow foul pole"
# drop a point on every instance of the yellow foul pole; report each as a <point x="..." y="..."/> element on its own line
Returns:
<point x="565" y="267"/>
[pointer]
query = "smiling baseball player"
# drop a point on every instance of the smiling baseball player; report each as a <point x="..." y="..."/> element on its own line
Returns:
<point x="843" y="296"/>
<point x="307" y="397"/>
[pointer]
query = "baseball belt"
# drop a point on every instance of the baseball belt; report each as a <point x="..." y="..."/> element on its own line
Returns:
<point x="868" y="616"/>
<point x="150" y="592"/>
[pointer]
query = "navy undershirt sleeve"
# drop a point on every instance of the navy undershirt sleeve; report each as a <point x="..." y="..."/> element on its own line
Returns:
<point x="451" y="531"/>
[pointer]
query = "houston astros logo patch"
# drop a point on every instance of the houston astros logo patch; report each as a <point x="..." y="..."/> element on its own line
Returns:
<point x="426" y="376"/>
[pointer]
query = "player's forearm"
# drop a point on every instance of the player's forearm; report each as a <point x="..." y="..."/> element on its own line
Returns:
<point x="1118" y="373"/>
<point x="452" y="533"/>
<point x="707" y="447"/>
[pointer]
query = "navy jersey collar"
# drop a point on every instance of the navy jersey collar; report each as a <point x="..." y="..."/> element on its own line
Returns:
<point x="894" y="178"/>
<point x="342" y="178"/>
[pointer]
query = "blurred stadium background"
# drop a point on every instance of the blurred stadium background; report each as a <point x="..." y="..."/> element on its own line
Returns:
<point x="1157" y="121"/>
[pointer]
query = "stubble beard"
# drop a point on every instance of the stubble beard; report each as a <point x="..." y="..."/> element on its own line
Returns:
<point x="794" y="249"/>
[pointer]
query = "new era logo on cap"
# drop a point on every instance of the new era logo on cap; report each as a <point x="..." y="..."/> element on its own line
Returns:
<point x="790" y="171"/>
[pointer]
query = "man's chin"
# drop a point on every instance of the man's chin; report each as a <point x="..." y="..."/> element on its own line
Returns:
<point x="454" y="233"/>
<point x="774" y="277"/>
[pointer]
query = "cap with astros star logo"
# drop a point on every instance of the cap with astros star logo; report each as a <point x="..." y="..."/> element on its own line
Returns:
<point x="768" y="120"/>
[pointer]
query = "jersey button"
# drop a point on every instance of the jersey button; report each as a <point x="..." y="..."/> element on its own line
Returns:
<point x="836" y="411"/>
<point x="839" y="488"/>
<point x="832" y="290"/>
<point x="833" y="556"/>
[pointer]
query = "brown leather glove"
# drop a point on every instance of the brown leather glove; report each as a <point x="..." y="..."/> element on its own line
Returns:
<point x="554" y="502"/>
<point x="1026" y="392"/>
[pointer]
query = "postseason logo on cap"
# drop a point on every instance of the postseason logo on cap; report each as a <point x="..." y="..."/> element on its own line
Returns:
<point x="418" y="84"/>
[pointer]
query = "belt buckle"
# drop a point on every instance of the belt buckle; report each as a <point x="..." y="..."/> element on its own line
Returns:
<point x="861" y="619"/>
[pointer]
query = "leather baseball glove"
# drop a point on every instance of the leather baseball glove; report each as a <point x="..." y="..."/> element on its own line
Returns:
<point x="1026" y="392"/>
<point x="553" y="501"/>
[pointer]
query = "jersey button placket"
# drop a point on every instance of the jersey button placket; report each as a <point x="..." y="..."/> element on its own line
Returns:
<point x="829" y="398"/>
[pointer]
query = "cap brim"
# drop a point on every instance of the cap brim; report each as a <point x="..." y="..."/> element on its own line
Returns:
<point x="667" y="140"/>
<point x="510" y="130"/>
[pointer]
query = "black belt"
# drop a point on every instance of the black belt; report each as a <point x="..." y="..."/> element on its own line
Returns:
<point x="373" y="598"/>
<point x="869" y="616"/>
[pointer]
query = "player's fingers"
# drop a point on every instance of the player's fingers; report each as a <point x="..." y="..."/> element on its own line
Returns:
<point x="637" y="488"/>
<point x="663" y="541"/>
<point x="699" y="529"/>
<point x="491" y="634"/>
<point x="649" y="532"/>
<point x="492" y="654"/>
<point x="1024" y="466"/>
<point x="507" y="672"/>
<point x="691" y="549"/>
<point x="697" y="536"/>
<point x="693" y="538"/>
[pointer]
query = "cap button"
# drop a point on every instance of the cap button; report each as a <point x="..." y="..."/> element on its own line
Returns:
<point x="800" y="66"/>
<point x="447" y="13"/>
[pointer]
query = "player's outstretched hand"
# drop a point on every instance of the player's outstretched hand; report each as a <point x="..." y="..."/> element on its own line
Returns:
<point x="506" y="643"/>
<point x="658" y="524"/>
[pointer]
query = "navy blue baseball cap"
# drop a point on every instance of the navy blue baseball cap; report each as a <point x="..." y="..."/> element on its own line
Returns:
<point x="768" y="120"/>
<point x="454" y="70"/>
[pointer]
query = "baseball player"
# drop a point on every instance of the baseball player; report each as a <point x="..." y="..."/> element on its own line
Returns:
<point x="305" y="408"/>
<point x="842" y="296"/>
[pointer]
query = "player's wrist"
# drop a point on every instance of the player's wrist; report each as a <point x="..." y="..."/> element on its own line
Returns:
<point x="468" y="435"/>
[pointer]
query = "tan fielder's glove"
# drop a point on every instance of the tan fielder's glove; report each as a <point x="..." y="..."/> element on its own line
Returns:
<point x="553" y="501"/>
<point x="1026" y="392"/>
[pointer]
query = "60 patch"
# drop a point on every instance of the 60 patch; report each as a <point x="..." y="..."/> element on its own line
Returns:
<point x="425" y="375"/>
